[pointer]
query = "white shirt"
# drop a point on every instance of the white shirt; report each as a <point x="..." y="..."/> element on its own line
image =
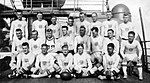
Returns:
<point x="17" y="24"/>
<point x="98" y="24"/>
<point x="40" y="26"/>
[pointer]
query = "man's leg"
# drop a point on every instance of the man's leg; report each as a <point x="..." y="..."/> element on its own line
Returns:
<point x="140" y="70"/>
<point x="124" y="67"/>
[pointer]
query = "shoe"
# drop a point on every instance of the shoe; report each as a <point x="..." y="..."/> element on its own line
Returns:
<point x="11" y="76"/>
<point x="49" y="76"/>
<point x="57" y="76"/>
<point x="125" y="77"/>
<point x="112" y="78"/>
<point x="140" y="78"/>
<point x="101" y="77"/>
<point x="38" y="76"/>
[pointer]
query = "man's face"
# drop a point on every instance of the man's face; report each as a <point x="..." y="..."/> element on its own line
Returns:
<point x="82" y="17"/>
<point x="126" y="18"/>
<point x="95" y="34"/>
<point x="44" y="49"/>
<point x="110" y="50"/>
<point x="34" y="35"/>
<point x="110" y="34"/>
<point x="64" y="31"/>
<point x="65" y="50"/>
<point x="39" y="16"/>
<point x="94" y="17"/>
<point x="25" y="49"/>
<point x="109" y="15"/>
<point x="80" y="49"/>
<point x="82" y="31"/>
<point x="131" y="37"/>
<point x="49" y="34"/>
<point x="53" y="20"/>
<point x="19" y="15"/>
<point x="19" y="34"/>
<point x="70" y="22"/>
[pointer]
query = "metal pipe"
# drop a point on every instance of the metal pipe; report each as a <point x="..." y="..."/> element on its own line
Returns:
<point x="74" y="5"/>
<point x="142" y="25"/>
<point x="31" y="5"/>
<point x="26" y="3"/>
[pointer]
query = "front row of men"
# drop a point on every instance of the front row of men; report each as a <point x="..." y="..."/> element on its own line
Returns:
<point x="80" y="64"/>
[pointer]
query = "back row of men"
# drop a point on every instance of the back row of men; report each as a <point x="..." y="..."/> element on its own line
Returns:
<point x="89" y="36"/>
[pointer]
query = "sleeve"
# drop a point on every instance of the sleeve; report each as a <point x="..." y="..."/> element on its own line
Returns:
<point x="104" y="62"/>
<point x="89" y="62"/>
<point x="51" y="62"/>
<point x="116" y="61"/>
<point x="117" y="46"/>
<point x="13" y="47"/>
<point x="37" y="62"/>
<point x="70" y="60"/>
<point x="75" y="60"/>
<point x="139" y="49"/>
<point x="33" y="26"/>
<point x="12" y="31"/>
<point x="88" y="44"/>
<point x="19" y="57"/>
<point x="117" y="30"/>
<point x="60" y="30"/>
<point x="26" y="30"/>
<point x="88" y="29"/>
<point x="122" y="48"/>
<point x="101" y="30"/>
<point x="59" y="61"/>
<point x="75" y="45"/>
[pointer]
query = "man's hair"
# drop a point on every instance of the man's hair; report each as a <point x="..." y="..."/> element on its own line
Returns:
<point x="19" y="11"/>
<point x="35" y="31"/>
<point x="49" y="30"/>
<point x="40" y="13"/>
<point x="94" y="28"/>
<point x="65" y="27"/>
<point x="111" y="45"/>
<point x="131" y="32"/>
<point x="82" y="13"/>
<point x="80" y="44"/>
<point x="64" y="46"/>
<point x="82" y="27"/>
<point x="18" y="30"/>
<point x="53" y="16"/>
<point x="109" y="12"/>
<point x="25" y="44"/>
<point x="126" y="14"/>
<point x="44" y="45"/>
<point x="110" y="30"/>
<point x="94" y="13"/>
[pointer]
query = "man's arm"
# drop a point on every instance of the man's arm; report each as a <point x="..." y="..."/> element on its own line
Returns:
<point x="12" y="31"/>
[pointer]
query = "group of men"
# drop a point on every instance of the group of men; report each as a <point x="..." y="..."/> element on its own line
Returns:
<point x="80" y="48"/>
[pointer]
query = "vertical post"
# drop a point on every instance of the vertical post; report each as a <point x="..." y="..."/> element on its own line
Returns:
<point x="26" y="3"/>
<point x="52" y="4"/>
<point x="31" y="5"/>
<point x="74" y="5"/>
<point x="142" y="25"/>
<point x="102" y="6"/>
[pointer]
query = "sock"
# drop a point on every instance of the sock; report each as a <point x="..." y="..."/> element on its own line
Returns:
<point x="140" y="71"/>
<point x="124" y="70"/>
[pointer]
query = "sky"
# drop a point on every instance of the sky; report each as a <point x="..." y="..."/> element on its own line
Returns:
<point x="133" y="5"/>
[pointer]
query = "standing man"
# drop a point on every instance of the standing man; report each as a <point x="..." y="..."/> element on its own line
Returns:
<point x="56" y="27"/>
<point x="82" y="22"/>
<point x="96" y="23"/>
<point x="35" y="43"/>
<point x="131" y="51"/>
<point x="110" y="24"/>
<point x="40" y="25"/>
<point x="125" y="27"/>
<point x="82" y="38"/>
<point x="71" y="27"/>
<point x="18" y="24"/>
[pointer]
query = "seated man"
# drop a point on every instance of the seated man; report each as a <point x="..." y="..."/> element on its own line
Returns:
<point x="82" y="62"/>
<point x="44" y="63"/>
<point x="25" y="61"/>
<point x="65" y="61"/>
<point x="96" y="49"/>
<point x="110" y="64"/>
<point x="16" y="48"/>
<point x="131" y="51"/>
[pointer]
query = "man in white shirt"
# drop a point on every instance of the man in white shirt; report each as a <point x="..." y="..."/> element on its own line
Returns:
<point x="125" y="27"/>
<point x="65" y="39"/>
<point x="82" y="22"/>
<point x="82" y="38"/>
<point x="25" y="61"/>
<point x="110" y="64"/>
<point x="40" y="25"/>
<point x="44" y="65"/>
<point x="82" y="62"/>
<point x="65" y="61"/>
<point x="111" y="39"/>
<point x="110" y="24"/>
<point x="131" y="51"/>
<point x="18" y="24"/>
<point x="96" y="23"/>
<point x="71" y="27"/>
<point x="35" y="43"/>
<point x="50" y="40"/>
<point x="56" y="27"/>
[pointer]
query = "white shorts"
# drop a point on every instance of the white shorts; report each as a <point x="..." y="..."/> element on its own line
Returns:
<point x="131" y="56"/>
